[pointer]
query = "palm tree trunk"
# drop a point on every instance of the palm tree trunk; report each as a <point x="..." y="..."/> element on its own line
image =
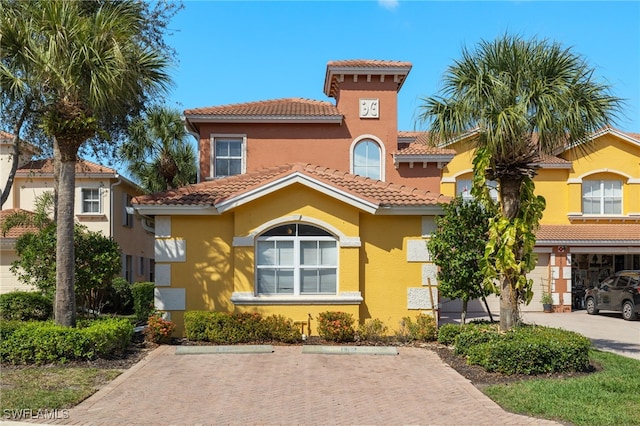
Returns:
<point x="65" y="301"/>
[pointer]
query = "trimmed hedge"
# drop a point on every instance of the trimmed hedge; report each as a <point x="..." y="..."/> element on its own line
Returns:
<point x="521" y="350"/>
<point x="143" y="299"/>
<point x="336" y="326"/>
<point x="25" y="306"/>
<point x="533" y="350"/>
<point x="232" y="328"/>
<point x="46" y="342"/>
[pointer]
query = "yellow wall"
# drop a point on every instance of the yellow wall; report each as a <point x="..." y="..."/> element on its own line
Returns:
<point x="379" y="269"/>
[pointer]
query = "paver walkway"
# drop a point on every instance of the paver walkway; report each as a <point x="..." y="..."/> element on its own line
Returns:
<point x="288" y="387"/>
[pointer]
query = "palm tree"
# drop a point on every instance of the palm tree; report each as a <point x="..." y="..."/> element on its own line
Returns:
<point x="158" y="151"/>
<point x="522" y="98"/>
<point x="91" y="70"/>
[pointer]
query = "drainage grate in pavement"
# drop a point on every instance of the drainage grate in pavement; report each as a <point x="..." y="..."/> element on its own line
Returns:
<point x="349" y="350"/>
<point x="231" y="349"/>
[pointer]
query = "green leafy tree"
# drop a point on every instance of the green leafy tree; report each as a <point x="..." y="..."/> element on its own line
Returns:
<point x="457" y="247"/>
<point x="91" y="71"/>
<point x="97" y="260"/>
<point x="516" y="100"/>
<point x="158" y="151"/>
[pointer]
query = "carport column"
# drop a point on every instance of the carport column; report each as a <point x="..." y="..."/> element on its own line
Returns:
<point x="560" y="263"/>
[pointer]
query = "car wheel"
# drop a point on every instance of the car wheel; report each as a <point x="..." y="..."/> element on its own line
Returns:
<point x="627" y="311"/>
<point x="590" y="304"/>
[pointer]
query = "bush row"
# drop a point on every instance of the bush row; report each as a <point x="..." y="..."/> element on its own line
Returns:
<point x="521" y="350"/>
<point x="25" y="306"/>
<point x="231" y="328"/>
<point x="45" y="342"/>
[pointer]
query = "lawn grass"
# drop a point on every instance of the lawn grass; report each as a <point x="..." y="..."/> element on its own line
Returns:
<point x="608" y="397"/>
<point x="48" y="388"/>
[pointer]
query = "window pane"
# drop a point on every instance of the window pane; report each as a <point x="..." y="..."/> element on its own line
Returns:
<point x="327" y="281"/>
<point x="328" y="253"/>
<point x="234" y="167"/>
<point x="266" y="253"/>
<point x="309" y="278"/>
<point x="266" y="281"/>
<point x="285" y="281"/>
<point x="312" y="231"/>
<point x="308" y="252"/>
<point x="222" y="148"/>
<point x="222" y="167"/>
<point x="285" y="252"/>
<point x="366" y="159"/>
<point x="235" y="149"/>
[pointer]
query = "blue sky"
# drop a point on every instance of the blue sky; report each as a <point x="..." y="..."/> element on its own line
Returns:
<point x="240" y="51"/>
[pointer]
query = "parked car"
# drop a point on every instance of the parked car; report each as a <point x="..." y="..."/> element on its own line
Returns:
<point x="620" y="292"/>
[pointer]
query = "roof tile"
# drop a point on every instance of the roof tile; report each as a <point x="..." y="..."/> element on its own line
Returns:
<point x="213" y="192"/>
<point x="45" y="167"/>
<point x="16" y="231"/>
<point x="582" y="232"/>
<point x="288" y="107"/>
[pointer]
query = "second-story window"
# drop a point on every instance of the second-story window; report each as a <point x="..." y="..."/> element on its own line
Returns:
<point x="228" y="156"/>
<point x="91" y="200"/>
<point x="601" y="197"/>
<point x="463" y="189"/>
<point x="366" y="159"/>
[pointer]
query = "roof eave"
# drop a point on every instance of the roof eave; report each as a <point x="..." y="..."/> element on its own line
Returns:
<point x="422" y="210"/>
<point x="204" y="118"/>
<point x="175" y="210"/>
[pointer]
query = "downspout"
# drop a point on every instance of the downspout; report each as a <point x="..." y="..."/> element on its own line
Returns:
<point x="111" y="202"/>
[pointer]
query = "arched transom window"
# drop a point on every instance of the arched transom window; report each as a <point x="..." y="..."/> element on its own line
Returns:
<point x="366" y="159"/>
<point x="296" y="259"/>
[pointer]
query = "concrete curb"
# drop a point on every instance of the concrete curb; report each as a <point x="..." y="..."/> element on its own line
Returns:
<point x="349" y="350"/>
<point x="231" y="349"/>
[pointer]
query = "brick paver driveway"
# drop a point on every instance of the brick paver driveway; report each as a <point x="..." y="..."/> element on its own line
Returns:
<point x="288" y="387"/>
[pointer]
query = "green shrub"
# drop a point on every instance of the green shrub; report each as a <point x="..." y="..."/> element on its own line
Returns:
<point x="120" y="296"/>
<point x="372" y="330"/>
<point x="228" y="328"/>
<point x="424" y="328"/>
<point x="46" y="342"/>
<point x="281" y="329"/>
<point x="143" y="299"/>
<point x="474" y="334"/>
<point x="533" y="350"/>
<point x="447" y="333"/>
<point x="336" y="326"/>
<point x="25" y="306"/>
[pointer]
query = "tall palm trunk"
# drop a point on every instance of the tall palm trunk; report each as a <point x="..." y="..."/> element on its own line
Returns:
<point x="510" y="200"/>
<point x="65" y="301"/>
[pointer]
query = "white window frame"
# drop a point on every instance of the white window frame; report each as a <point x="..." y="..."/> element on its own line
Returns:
<point x="243" y="155"/>
<point x="296" y="266"/>
<point x="376" y="141"/>
<point x="602" y="198"/>
<point x="85" y="199"/>
<point x="128" y="268"/>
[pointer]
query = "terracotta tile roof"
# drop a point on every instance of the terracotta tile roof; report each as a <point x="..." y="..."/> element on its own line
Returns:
<point x="417" y="148"/>
<point x="337" y="69"/>
<point x="5" y="135"/>
<point x="17" y="231"/>
<point x="552" y="161"/>
<point x="213" y="192"/>
<point x="601" y="233"/>
<point x="369" y="63"/>
<point x="289" y="107"/>
<point x="45" y="167"/>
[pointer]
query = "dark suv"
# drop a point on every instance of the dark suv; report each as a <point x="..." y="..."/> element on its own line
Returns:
<point x="620" y="292"/>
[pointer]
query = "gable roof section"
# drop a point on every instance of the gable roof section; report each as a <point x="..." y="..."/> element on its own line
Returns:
<point x="588" y="234"/>
<point x="44" y="168"/>
<point x="632" y="138"/>
<point x="16" y="231"/>
<point x="287" y="110"/>
<point x="336" y="70"/>
<point x="218" y="196"/>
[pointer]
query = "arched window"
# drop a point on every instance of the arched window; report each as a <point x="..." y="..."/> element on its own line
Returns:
<point x="366" y="159"/>
<point x="296" y="259"/>
<point x="463" y="189"/>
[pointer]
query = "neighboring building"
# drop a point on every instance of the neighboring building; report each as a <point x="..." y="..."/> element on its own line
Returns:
<point x="280" y="223"/>
<point x="102" y="196"/>
<point x="591" y="224"/>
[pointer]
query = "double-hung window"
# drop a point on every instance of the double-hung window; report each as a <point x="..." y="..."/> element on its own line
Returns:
<point x="601" y="197"/>
<point x="228" y="156"/>
<point x="366" y="159"/>
<point x="91" y="200"/>
<point x="296" y="259"/>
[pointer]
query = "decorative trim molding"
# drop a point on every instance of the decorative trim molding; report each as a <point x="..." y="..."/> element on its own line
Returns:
<point x="249" y="298"/>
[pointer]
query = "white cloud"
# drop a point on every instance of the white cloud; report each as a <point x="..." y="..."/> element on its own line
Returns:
<point x="389" y="4"/>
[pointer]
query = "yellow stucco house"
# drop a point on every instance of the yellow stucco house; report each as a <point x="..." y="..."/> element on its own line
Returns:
<point x="591" y="224"/>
